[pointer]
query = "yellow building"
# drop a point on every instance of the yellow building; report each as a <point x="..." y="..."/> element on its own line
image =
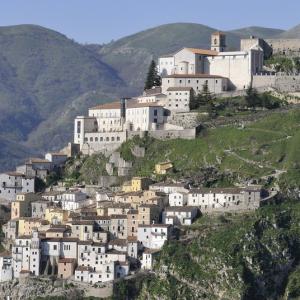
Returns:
<point x="148" y="213"/>
<point x="27" y="225"/>
<point x="136" y="184"/>
<point x="56" y="215"/>
<point x="21" y="207"/>
<point x="163" y="168"/>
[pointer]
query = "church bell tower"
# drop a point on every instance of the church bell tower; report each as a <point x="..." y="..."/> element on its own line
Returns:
<point x="218" y="41"/>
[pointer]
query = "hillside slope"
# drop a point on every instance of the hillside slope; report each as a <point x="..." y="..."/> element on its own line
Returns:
<point x="42" y="74"/>
<point x="293" y="33"/>
<point x="254" y="256"/>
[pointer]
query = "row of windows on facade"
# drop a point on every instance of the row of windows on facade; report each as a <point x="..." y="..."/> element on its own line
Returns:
<point x="189" y="81"/>
<point x="13" y="190"/>
<point x="179" y="94"/>
<point x="101" y="139"/>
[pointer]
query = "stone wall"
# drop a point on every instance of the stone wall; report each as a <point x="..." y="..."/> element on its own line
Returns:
<point x="232" y="207"/>
<point x="174" y="134"/>
<point x="290" y="47"/>
<point x="282" y="83"/>
<point x="185" y="120"/>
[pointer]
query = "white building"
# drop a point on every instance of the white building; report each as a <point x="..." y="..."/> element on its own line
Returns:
<point x="6" y="267"/>
<point x="72" y="200"/>
<point x="212" y="65"/>
<point x="13" y="183"/>
<point x="179" y="215"/>
<point x="57" y="159"/>
<point x="169" y="188"/>
<point x="107" y="124"/>
<point x="148" y="257"/>
<point x="178" y="99"/>
<point x="178" y="199"/>
<point x="222" y="199"/>
<point x="26" y="255"/>
<point x="216" y="83"/>
<point x="153" y="236"/>
<point x="55" y="248"/>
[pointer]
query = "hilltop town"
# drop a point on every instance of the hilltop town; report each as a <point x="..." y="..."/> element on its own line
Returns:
<point x="94" y="235"/>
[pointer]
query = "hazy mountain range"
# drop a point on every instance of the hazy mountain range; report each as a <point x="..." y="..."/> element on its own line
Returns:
<point x="46" y="79"/>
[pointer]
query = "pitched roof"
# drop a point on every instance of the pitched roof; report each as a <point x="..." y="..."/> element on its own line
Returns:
<point x="129" y="104"/>
<point x="172" y="89"/>
<point x="202" y="51"/>
<point x="198" y="75"/>
<point x="37" y="160"/>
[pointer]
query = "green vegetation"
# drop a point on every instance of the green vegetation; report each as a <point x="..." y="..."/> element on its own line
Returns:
<point x="152" y="79"/>
<point x="46" y="80"/>
<point x="85" y="169"/>
<point x="282" y="63"/>
<point x="235" y="256"/>
<point x="256" y="150"/>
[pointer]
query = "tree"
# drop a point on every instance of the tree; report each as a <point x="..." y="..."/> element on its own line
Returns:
<point x="153" y="79"/>
<point x="193" y="100"/>
<point x="205" y="97"/>
<point x="251" y="97"/>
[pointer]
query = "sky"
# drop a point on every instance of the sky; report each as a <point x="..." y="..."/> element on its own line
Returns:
<point x="100" y="21"/>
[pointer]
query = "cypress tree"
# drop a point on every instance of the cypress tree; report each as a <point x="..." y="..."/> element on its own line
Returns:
<point x="153" y="79"/>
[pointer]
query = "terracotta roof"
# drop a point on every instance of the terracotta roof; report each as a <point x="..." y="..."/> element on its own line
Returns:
<point x="153" y="91"/>
<point x="132" y="239"/>
<point x="83" y="268"/>
<point x="175" y="89"/>
<point x="155" y="225"/>
<point x="151" y="251"/>
<point x="5" y="254"/>
<point x="16" y="174"/>
<point x="67" y="260"/>
<point x="57" y="230"/>
<point x="118" y="216"/>
<point x="181" y="208"/>
<point x="202" y="51"/>
<point x="118" y="242"/>
<point x="64" y="239"/>
<point x="169" y="184"/>
<point x="218" y="33"/>
<point x="231" y="190"/>
<point x="193" y="76"/>
<point x="57" y="153"/>
<point x="83" y="222"/>
<point x="37" y="160"/>
<point x="129" y="104"/>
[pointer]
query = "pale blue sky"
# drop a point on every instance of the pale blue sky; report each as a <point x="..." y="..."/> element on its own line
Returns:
<point x="100" y="21"/>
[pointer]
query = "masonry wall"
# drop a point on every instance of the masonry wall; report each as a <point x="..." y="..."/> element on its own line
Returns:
<point x="285" y="46"/>
<point x="283" y="83"/>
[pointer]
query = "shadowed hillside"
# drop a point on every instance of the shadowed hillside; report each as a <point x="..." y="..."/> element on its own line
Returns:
<point x="42" y="75"/>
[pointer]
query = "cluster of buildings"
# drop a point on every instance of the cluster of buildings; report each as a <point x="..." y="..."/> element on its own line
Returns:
<point x="183" y="73"/>
<point x="110" y="235"/>
<point x="23" y="179"/>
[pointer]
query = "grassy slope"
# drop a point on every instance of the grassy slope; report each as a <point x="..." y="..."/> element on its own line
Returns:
<point x="232" y="257"/>
<point x="263" y="142"/>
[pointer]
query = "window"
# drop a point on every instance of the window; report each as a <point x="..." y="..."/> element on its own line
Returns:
<point x="155" y="112"/>
<point x="79" y="127"/>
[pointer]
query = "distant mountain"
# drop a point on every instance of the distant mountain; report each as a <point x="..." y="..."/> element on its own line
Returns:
<point x="293" y="33"/>
<point x="42" y="74"/>
<point x="262" y="32"/>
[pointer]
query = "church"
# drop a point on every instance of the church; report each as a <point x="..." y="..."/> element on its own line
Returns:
<point x="222" y="70"/>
